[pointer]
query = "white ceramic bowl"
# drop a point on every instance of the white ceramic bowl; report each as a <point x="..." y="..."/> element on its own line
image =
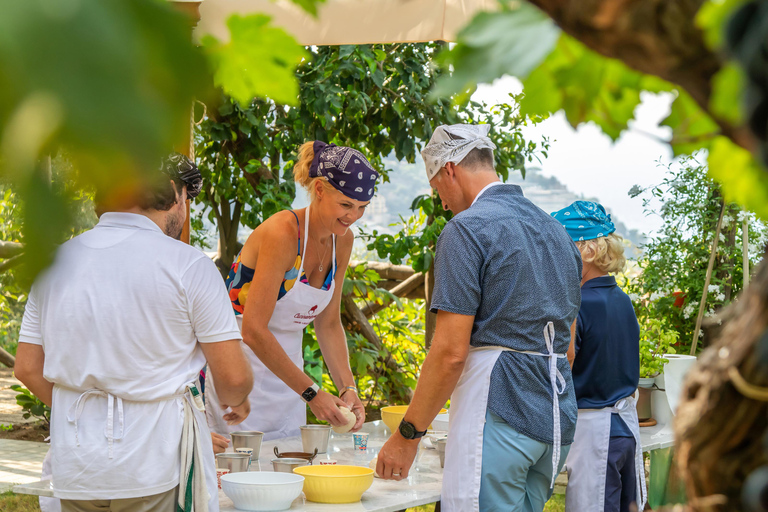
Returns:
<point x="262" y="490"/>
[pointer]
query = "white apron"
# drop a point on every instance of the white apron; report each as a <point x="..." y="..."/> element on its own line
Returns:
<point x="195" y="443"/>
<point x="276" y="409"/>
<point x="588" y="459"/>
<point x="469" y="402"/>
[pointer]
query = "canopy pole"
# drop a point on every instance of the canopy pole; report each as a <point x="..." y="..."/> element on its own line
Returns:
<point x="703" y="303"/>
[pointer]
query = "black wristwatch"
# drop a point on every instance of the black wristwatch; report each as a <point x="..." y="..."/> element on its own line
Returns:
<point x="310" y="393"/>
<point x="408" y="431"/>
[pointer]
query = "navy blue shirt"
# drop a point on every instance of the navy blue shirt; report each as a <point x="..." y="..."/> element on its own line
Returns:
<point x="514" y="268"/>
<point x="607" y="365"/>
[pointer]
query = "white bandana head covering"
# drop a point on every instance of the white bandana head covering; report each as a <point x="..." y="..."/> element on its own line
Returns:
<point x="452" y="143"/>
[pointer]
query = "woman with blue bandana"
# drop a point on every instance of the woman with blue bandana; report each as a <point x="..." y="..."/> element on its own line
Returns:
<point x="605" y="464"/>
<point x="296" y="261"/>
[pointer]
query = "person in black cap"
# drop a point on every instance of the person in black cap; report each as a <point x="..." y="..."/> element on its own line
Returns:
<point x="296" y="261"/>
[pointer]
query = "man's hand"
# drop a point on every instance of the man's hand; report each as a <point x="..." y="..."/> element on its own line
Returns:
<point x="396" y="457"/>
<point x="237" y="413"/>
<point x="356" y="406"/>
<point x="325" y="407"/>
<point x="220" y="443"/>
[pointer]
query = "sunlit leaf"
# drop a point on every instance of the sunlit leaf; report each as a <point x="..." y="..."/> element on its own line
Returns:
<point x="510" y="42"/>
<point x="743" y="181"/>
<point x="692" y="128"/>
<point x="726" y="100"/>
<point x="259" y="60"/>
<point x="712" y="17"/>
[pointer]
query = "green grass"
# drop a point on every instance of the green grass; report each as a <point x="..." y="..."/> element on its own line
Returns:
<point x="556" y="504"/>
<point x="10" y="502"/>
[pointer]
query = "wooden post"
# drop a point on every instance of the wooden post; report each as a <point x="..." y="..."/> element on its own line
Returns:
<point x="745" y="250"/>
<point x="703" y="303"/>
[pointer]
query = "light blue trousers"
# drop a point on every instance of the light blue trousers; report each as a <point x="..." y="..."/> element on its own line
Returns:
<point x="517" y="470"/>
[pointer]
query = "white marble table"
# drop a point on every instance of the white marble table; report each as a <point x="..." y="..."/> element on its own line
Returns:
<point x="422" y="486"/>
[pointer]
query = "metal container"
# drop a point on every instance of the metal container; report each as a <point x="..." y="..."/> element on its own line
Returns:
<point x="234" y="462"/>
<point x="286" y="465"/>
<point x="315" y="437"/>
<point x="296" y="455"/>
<point x="248" y="439"/>
<point x="440" y="446"/>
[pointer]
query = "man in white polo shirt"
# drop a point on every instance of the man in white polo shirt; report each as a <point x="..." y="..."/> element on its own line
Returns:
<point x="113" y="338"/>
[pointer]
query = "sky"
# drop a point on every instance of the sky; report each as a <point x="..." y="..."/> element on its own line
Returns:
<point x="589" y="163"/>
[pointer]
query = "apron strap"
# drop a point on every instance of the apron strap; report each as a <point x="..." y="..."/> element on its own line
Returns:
<point x="306" y="243"/>
<point x="76" y="410"/>
<point x="558" y="383"/>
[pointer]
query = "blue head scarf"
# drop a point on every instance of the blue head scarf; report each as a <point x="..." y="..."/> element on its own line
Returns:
<point x="585" y="220"/>
<point x="345" y="168"/>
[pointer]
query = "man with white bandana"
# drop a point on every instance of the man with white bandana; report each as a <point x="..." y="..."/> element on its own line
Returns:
<point x="113" y="338"/>
<point x="506" y="295"/>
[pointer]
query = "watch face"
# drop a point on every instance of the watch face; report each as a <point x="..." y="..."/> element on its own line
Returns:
<point x="309" y="394"/>
<point x="407" y="430"/>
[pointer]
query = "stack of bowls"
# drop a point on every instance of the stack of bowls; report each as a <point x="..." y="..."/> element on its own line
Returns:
<point x="335" y="484"/>
<point x="315" y="437"/>
<point x="262" y="490"/>
<point x="287" y="464"/>
<point x="234" y="462"/>
<point x="248" y="440"/>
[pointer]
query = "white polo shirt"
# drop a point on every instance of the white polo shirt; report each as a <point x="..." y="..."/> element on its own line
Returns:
<point x="121" y="311"/>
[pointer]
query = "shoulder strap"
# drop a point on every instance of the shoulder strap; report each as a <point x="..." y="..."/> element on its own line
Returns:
<point x="297" y="229"/>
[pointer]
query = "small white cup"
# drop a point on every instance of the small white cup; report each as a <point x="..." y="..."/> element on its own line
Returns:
<point x="219" y="474"/>
<point x="327" y="462"/>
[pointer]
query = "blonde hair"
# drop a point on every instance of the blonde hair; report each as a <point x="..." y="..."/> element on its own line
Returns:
<point x="301" y="171"/>
<point x="606" y="252"/>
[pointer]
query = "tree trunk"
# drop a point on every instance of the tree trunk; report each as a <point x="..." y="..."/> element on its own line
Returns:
<point x="430" y="318"/>
<point x="657" y="37"/>
<point x="355" y="320"/>
<point x="386" y="270"/>
<point x="9" y="249"/>
<point x="403" y="289"/>
<point x="719" y="430"/>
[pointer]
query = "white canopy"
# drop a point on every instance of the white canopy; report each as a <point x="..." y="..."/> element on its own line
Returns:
<point x="351" y="21"/>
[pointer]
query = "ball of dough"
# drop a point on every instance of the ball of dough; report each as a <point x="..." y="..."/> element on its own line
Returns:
<point x="372" y="465"/>
<point x="351" y="419"/>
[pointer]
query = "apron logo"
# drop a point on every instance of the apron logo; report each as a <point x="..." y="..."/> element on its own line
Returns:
<point x="309" y="316"/>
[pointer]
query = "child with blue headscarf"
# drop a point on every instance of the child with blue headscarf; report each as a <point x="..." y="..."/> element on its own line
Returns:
<point x="605" y="464"/>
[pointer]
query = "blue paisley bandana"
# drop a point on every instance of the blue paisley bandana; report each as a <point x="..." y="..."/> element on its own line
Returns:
<point x="346" y="169"/>
<point x="584" y="220"/>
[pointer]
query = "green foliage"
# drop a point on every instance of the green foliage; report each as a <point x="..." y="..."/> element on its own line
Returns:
<point x="675" y="260"/>
<point x="112" y="81"/>
<point x="655" y="341"/>
<point x="259" y="60"/>
<point x="5" y="428"/>
<point x="742" y="179"/>
<point x="32" y="405"/>
<point x="513" y="41"/>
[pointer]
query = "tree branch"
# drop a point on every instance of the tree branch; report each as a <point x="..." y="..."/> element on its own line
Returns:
<point x="401" y="290"/>
<point x="7" y="359"/>
<point x="10" y="263"/>
<point x="655" y="37"/>
<point x="9" y="249"/>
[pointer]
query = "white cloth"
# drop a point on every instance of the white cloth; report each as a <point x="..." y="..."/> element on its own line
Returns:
<point x="278" y="410"/>
<point x="587" y="461"/>
<point x="192" y="479"/>
<point x="469" y="402"/>
<point x="120" y="350"/>
<point x="452" y="143"/>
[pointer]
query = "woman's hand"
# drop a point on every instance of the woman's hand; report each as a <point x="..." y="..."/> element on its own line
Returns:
<point x="356" y="406"/>
<point x="325" y="407"/>
<point x="220" y="443"/>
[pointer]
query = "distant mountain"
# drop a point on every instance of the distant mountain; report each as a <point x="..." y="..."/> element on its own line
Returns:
<point x="409" y="180"/>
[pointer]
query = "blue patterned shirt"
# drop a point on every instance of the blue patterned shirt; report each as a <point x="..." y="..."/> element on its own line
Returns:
<point x="514" y="268"/>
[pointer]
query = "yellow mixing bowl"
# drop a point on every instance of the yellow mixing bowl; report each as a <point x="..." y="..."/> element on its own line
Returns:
<point x="335" y="484"/>
<point x="393" y="414"/>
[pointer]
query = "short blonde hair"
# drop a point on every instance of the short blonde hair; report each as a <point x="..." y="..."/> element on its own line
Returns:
<point x="301" y="171"/>
<point x="605" y="252"/>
